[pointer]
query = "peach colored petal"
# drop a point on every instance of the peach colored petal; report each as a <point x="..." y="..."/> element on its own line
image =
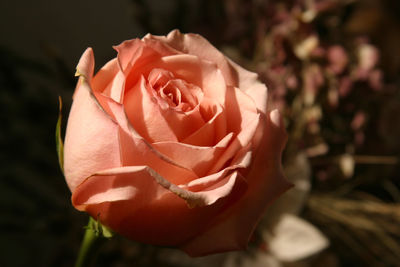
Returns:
<point x="161" y="48"/>
<point x="105" y="78"/>
<point x="113" y="195"/>
<point x="196" y="158"/>
<point x="183" y="94"/>
<point x="135" y="55"/>
<point x="212" y="180"/>
<point x="195" y="44"/>
<point x="172" y="92"/>
<point x="202" y="73"/>
<point x="135" y="151"/>
<point x="91" y="140"/>
<point x="242" y="118"/>
<point x="246" y="78"/>
<point x="248" y="82"/>
<point x="259" y="93"/>
<point x="232" y="229"/>
<point x="244" y="156"/>
<point x="240" y="109"/>
<point x="145" y="115"/>
<point x="85" y="65"/>
<point x="157" y="77"/>
<point x="116" y="88"/>
<point x="128" y="53"/>
<point x="240" y="141"/>
<point x="110" y="81"/>
<point x="105" y="75"/>
<point x="182" y="122"/>
<point x="215" y="127"/>
<point x="144" y="178"/>
<point x="150" y="209"/>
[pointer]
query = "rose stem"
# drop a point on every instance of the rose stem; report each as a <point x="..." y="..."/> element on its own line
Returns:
<point x="91" y="244"/>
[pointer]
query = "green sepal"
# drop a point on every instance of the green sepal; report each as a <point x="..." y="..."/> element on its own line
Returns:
<point x="59" y="141"/>
<point x="98" y="229"/>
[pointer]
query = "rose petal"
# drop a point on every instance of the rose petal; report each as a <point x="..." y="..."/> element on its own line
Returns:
<point x="91" y="140"/>
<point x="195" y="44"/>
<point x="129" y="53"/>
<point x="249" y="83"/>
<point x="182" y="122"/>
<point x="202" y="73"/>
<point x="259" y="94"/>
<point x="233" y="228"/>
<point x="215" y="127"/>
<point x="196" y="158"/>
<point x="110" y="81"/>
<point x="240" y="141"/>
<point x="133" y="177"/>
<point x="135" y="151"/>
<point x="116" y="88"/>
<point x="146" y="116"/>
<point x="85" y="65"/>
<point x="150" y="209"/>
<point x="243" y="119"/>
<point x="105" y="75"/>
<point x="240" y="109"/>
<point x="210" y="181"/>
<point x="113" y="195"/>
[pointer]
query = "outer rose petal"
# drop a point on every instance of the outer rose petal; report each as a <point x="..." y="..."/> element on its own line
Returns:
<point x="249" y="83"/>
<point x="232" y="229"/>
<point x="91" y="140"/>
<point x="195" y="44"/>
<point x="140" y="204"/>
<point x="242" y="119"/>
<point x="85" y="65"/>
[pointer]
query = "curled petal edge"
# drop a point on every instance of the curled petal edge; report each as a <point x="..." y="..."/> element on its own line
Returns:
<point x="192" y="199"/>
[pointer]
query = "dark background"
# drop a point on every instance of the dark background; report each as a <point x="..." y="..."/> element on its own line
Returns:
<point x="40" y="44"/>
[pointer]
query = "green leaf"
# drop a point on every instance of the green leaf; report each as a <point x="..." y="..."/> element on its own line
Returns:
<point x="59" y="141"/>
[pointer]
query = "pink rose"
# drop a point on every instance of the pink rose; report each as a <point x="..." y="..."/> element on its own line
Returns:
<point x="171" y="144"/>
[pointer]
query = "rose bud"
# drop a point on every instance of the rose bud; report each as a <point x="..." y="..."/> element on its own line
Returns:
<point x="172" y="144"/>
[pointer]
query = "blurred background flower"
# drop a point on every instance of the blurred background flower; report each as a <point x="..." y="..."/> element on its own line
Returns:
<point x="332" y="67"/>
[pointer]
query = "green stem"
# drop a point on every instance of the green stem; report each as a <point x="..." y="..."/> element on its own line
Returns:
<point x="91" y="243"/>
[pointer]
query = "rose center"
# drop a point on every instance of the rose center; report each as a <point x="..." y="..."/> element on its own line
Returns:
<point x="173" y="92"/>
